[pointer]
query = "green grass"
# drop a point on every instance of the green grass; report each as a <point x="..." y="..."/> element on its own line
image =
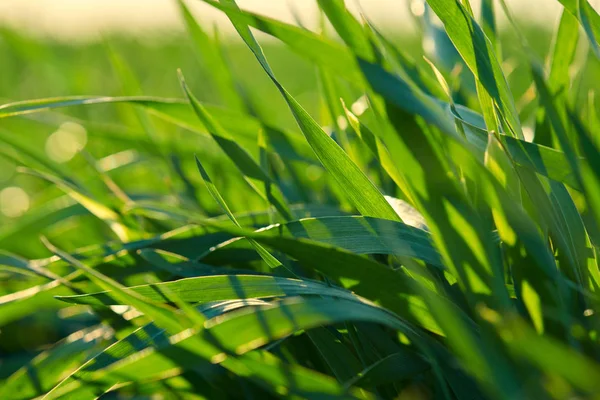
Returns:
<point x="330" y="215"/>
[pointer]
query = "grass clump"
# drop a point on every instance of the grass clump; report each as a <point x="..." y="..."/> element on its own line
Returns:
<point x="432" y="234"/>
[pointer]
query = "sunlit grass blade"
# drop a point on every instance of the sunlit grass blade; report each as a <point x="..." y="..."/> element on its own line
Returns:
<point x="360" y="190"/>
<point x="478" y="53"/>
<point x="360" y="235"/>
<point x="322" y="51"/>
<point x="589" y="20"/>
<point x="49" y="366"/>
<point x="207" y="289"/>
<point x="252" y="171"/>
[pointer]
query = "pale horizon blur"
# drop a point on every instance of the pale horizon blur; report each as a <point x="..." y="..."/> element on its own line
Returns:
<point x="76" y="20"/>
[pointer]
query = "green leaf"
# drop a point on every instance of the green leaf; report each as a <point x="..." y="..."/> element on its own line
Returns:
<point x="394" y="290"/>
<point x="45" y="370"/>
<point x="479" y="55"/>
<point x="360" y="235"/>
<point x="252" y="171"/>
<point x="588" y="18"/>
<point x="357" y="187"/>
<point x="207" y="289"/>
<point x="324" y="52"/>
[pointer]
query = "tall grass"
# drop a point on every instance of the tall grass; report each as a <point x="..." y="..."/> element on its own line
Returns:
<point x="429" y="228"/>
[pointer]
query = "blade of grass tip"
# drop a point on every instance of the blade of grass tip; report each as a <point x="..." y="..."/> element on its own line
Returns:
<point x="402" y="63"/>
<point x="162" y="315"/>
<point x="111" y="218"/>
<point x="252" y="171"/>
<point x="357" y="39"/>
<point x="448" y="93"/>
<point x="269" y="259"/>
<point x="356" y="186"/>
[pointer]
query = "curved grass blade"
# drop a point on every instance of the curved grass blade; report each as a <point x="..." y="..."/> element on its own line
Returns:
<point x="45" y="370"/>
<point x="393" y="368"/>
<point x="589" y="20"/>
<point x="208" y="289"/>
<point x="130" y="358"/>
<point x="325" y="53"/>
<point x="394" y="290"/>
<point x="360" y="235"/>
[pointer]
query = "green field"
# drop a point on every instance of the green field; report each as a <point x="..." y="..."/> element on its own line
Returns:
<point x="349" y="212"/>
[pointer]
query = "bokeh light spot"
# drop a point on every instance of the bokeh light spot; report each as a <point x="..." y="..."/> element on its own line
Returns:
<point x="14" y="201"/>
<point x="66" y="141"/>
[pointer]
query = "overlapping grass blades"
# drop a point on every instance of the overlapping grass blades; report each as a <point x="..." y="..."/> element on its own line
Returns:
<point x="437" y="251"/>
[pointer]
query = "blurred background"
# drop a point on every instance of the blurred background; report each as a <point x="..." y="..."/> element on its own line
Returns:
<point x="74" y="20"/>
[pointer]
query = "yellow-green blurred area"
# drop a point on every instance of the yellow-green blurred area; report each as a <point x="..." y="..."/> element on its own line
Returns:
<point x="33" y="68"/>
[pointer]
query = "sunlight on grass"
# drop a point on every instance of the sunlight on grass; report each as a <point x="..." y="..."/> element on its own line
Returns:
<point x="319" y="201"/>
